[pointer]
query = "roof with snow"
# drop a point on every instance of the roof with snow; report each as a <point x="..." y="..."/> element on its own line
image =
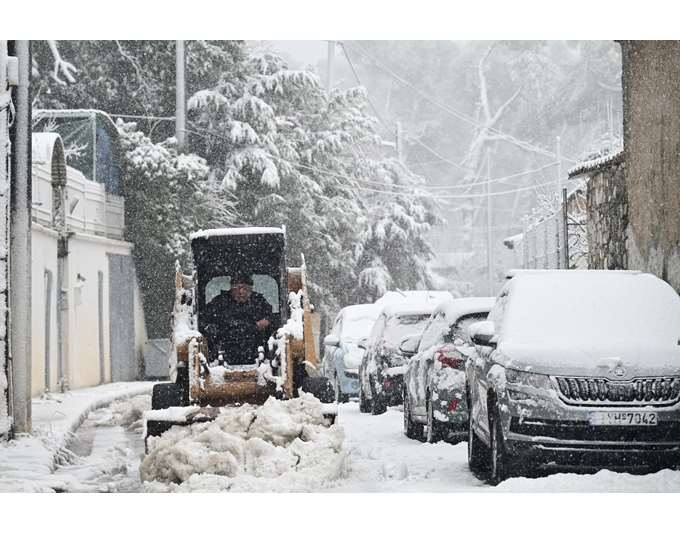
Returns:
<point x="215" y="232"/>
<point x="513" y="273"/>
<point x="402" y="297"/>
<point x="595" y="165"/>
<point x="360" y="311"/>
<point x="410" y="307"/>
<point x="457" y="308"/>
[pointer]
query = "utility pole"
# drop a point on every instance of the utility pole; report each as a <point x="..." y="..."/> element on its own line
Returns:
<point x="558" y="151"/>
<point x="331" y="60"/>
<point x="399" y="142"/>
<point x="559" y="260"/>
<point x="489" y="220"/>
<point x="180" y="99"/>
<point x="20" y="243"/>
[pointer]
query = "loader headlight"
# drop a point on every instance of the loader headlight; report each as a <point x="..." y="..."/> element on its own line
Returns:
<point x="523" y="378"/>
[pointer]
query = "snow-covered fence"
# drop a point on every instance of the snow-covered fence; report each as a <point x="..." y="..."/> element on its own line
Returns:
<point x="544" y="243"/>
<point x="543" y="240"/>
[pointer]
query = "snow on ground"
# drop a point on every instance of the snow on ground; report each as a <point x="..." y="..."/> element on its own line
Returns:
<point x="28" y="462"/>
<point x="383" y="459"/>
<point x="279" y="446"/>
<point x="282" y="446"/>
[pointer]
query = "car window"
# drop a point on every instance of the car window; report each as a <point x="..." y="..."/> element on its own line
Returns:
<point x="433" y="332"/>
<point x="263" y="284"/>
<point x="459" y="330"/>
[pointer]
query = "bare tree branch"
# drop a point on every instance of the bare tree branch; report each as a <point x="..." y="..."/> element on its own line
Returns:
<point x="61" y="65"/>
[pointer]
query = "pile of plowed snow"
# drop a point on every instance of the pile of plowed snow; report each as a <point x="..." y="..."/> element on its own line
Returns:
<point x="279" y="446"/>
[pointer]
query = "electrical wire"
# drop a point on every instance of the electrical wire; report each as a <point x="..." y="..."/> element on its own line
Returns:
<point x="424" y="193"/>
<point x="506" y="137"/>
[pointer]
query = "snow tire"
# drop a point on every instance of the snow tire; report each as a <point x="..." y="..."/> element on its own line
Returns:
<point x="320" y="387"/>
<point x="412" y="430"/>
<point x="436" y="430"/>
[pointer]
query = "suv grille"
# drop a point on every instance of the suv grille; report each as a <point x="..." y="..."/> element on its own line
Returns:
<point x="665" y="431"/>
<point x="658" y="391"/>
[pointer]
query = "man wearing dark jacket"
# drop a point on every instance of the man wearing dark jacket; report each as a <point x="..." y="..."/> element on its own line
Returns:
<point x="239" y="320"/>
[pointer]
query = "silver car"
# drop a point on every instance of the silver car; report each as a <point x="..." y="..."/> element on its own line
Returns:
<point x="579" y="369"/>
<point x="434" y="383"/>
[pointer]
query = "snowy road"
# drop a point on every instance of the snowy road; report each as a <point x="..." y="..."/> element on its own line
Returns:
<point x="375" y="456"/>
<point x="383" y="459"/>
<point x="105" y="452"/>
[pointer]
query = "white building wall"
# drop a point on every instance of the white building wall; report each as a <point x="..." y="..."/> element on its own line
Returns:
<point x="93" y="213"/>
<point x="44" y="257"/>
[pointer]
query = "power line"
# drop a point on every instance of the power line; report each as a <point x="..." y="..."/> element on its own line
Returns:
<point x="423" y="193"/>
<point x="507" y="137"/>
<point x="377" y="114"/>
<point x="356" y="76"/>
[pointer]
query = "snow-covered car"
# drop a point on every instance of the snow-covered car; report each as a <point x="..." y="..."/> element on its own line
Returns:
<point x="434" y="383"/>
<point x="576" y="368"/>
<point x="342" y="354"/>
<point x="381" y="373"/>
<point x="421" y="296"/>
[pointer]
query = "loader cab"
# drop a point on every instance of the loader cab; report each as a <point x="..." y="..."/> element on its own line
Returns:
<point x="220" y="254"/>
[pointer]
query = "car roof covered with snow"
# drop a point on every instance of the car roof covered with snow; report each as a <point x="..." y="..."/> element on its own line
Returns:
<point x="512" y="273"/>
<point x="217" y="232"/>
<point x="360" y="311"/>
<point x="411" y="307"/>
<point x="404" y="297"/>
<point x="357" y="321"/>
<point x="456" y="308"/>
<point x="592" y="306"/>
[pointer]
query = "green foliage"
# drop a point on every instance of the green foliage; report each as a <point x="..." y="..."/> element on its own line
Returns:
<point x="268" y="147"/>
<point x="296" y="156"/>
<point x="167" y="196"/>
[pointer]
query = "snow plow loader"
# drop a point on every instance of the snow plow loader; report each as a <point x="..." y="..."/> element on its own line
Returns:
<point x="221" y="359"/>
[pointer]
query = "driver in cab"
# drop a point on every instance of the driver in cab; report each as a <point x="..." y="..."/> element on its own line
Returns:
<point x="239" y="320"/>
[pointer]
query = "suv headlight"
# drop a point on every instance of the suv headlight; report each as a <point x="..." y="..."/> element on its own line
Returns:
<point x="524" y="378"/>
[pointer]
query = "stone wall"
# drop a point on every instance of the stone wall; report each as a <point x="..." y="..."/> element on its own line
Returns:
<point x="651" y="100"/>
<point x="607" y="225"/>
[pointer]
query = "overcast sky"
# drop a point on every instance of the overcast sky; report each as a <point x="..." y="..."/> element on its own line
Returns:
<point x="305" y="52"/>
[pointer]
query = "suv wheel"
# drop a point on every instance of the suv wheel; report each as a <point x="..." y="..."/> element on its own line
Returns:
<point x="339" y="395"/>
<point x="436" y="430"/>
<point x="411" y="429"/>
<point x="477" y="452"/>
<point x="499" y="468"/>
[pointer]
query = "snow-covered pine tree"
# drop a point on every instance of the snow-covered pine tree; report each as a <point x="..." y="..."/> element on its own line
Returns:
<point x="294" y="155"/>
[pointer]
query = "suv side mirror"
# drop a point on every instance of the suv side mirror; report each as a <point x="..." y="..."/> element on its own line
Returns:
<point x="483" y="333"/>
<point x="332" y="340"/>
<point x="409" y="345"/>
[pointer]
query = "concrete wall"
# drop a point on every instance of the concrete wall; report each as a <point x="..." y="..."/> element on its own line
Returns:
<point x="87" y="256"/>
<point x="88" y="351"/>
<point x="607" y="221"/>
<point x="651" y="84"/>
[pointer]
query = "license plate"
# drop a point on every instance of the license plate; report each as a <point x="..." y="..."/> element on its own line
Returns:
<point x="624" y="418"/>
